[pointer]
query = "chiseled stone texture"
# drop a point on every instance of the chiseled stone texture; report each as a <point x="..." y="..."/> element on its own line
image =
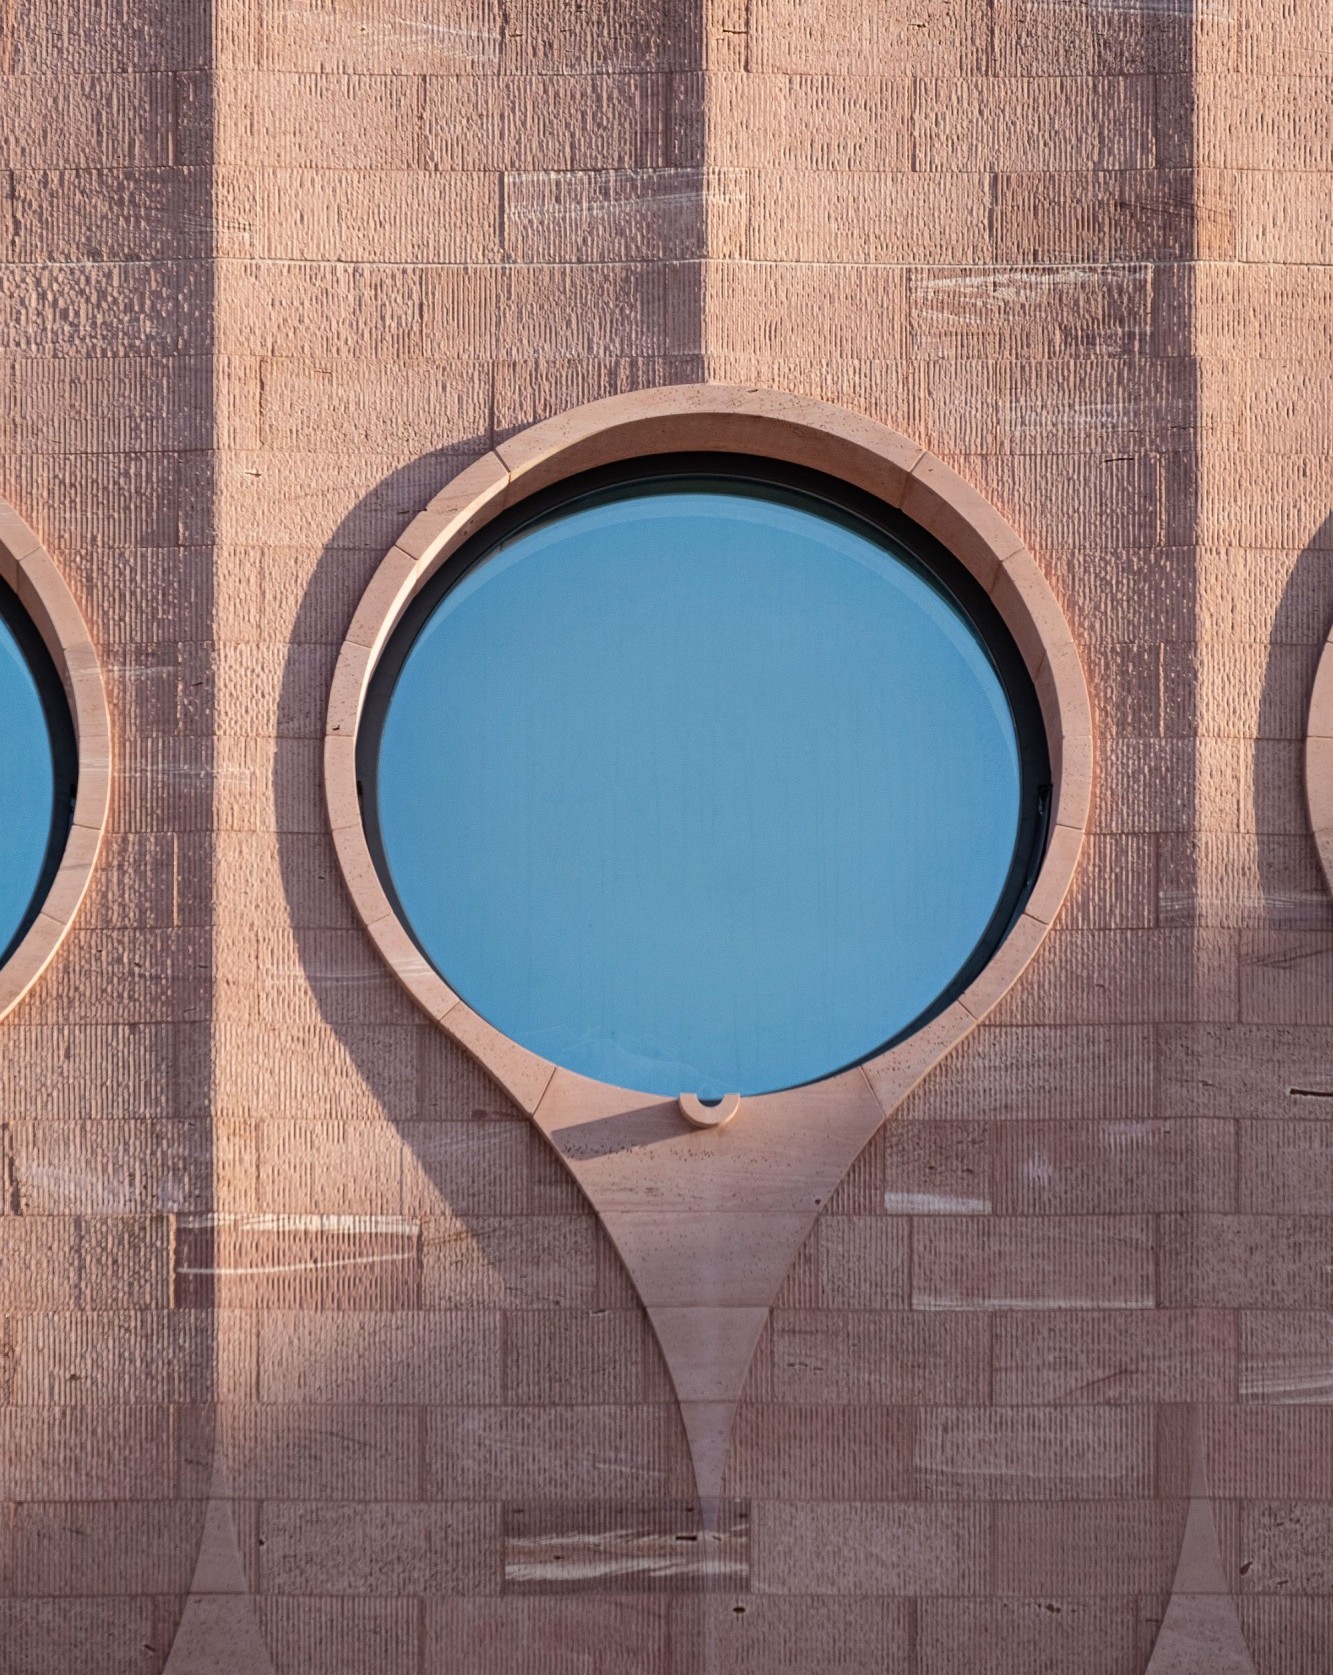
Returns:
<point x="275" y="272"/>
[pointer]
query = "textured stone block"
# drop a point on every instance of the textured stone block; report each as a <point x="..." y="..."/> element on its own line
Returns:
<point x="1039" y="1636"/>
<point x="574" y="1356"/>
<point x="515" y="1262"/>
<point x="1074" y="1262"/>
<point x="941" y="38"/>
<point x="378" y="1548"/>
<point x="551" y="1547"/>
<point x="1286" y="1356"/>
<point x="111" y="1548"/>
<point x="327" y="1636"/>
<point x="813" y="1357"/>
<point x="550" y="1635"/>
<point x="1027" y="1454"/>
<point x="1110" y="1168"/>
<point x="820" y="1453"/>
<point x="1244" y="1261"/>
<point x="1148" y="1355"/>
<point x="1087" y="1550"/>
<point x="899" y="1548"/>
<point x="51" y="1636"/>
<point x="573" y="1453"/>
<point x="1287" y="1548"/>
<point x="368" y="1358"/>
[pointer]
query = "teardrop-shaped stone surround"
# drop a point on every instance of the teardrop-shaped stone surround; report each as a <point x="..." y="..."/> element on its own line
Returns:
<point x="707" y="1221"/>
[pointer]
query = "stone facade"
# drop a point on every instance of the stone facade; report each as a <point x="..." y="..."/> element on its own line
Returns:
<point x="313" y="1360"/>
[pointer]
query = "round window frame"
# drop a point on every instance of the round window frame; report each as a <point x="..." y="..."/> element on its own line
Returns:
<point x="779" y="429"/>
<point x="51" y="613"/>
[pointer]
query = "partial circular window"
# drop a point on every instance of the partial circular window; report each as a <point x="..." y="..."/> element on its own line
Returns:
<point x="38" y="772"/>
<point x="699" y="773"/>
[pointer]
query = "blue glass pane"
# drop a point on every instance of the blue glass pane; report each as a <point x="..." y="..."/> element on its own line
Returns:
<point x="27" y="784"/>
<point x="698" y="790"/>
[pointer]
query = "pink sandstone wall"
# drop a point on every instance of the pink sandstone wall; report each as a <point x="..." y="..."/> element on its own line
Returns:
<point x="312" y="1360"/>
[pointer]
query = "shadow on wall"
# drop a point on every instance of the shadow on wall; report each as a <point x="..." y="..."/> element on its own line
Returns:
<point x="1294" y="896"/>
<point x="508" y="1317"/>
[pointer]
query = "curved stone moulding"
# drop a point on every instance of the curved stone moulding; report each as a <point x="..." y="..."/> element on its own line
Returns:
<point x="27" y="567"/>
<point x="1319" y="760"/>
<point x="708" y="1221"/>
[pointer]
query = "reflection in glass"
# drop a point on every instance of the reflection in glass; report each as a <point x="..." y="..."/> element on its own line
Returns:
<point x="35" y="768"/>
<point x="698" y="786"/>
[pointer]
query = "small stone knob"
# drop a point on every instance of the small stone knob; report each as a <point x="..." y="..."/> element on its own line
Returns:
<point x="715" y="1115"/>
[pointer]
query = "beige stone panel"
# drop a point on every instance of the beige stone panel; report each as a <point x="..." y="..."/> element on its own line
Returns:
<point x="1050" y="124"/>
<point x="927" y="1167"/>
<point x="327" y="122"/>
<point x="940" y="37"/>
<point x="89" y="310"/>
<point x="1108" y="1358"/>
<point x="1286" y="977"/>
<point x="1286" y="1357"/>
<point x="1119" y="977"/>
<point x="1085" y="1453"/>
<point x="857" y="122"/>
<point x="530" y="122"/>
<point x="1252" y="1452"/>
<point x="594" y="216"/>
<point x="1089" y="1550"/>
<point x="866" y="218"/>
<point x="369" y="1547"/>
<point x="870" y="1549"/>
<point x="872" y="1356"/>
<point x="1232" y="515"/>
<point x="400" y="1357"/>
<point x="1116" y="886"/>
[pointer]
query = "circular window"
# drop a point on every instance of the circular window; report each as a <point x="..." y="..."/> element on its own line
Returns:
<point x="700" y="774"/>
<point x="37" y="772"/>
